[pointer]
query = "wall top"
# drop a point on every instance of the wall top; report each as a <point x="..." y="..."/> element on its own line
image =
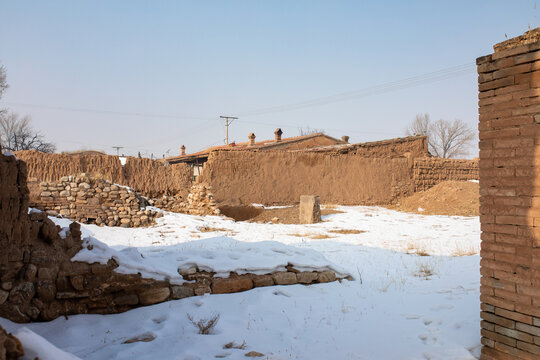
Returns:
<point x="529" y="37"/>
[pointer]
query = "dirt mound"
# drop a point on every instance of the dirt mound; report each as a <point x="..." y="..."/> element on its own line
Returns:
<point x="459" y="198"/>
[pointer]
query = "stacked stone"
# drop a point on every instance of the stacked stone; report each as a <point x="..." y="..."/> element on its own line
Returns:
<point x="428" y="172"/>
<point x="96" y="201"/>
<point x="200" y="201"/>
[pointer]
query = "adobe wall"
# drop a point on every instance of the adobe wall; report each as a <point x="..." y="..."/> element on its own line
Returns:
<point x="413" y="146"/>
<point x="151" y="178"/>
<point x="428" y="172"/>
<point x="509" y="90"/>
<point x="280" y="177"/>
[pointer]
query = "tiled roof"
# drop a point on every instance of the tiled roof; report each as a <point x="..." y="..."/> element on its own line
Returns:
<point x="245" y="145"/>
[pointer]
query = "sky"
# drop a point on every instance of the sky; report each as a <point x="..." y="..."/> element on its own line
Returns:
<point x="150" y="76"/>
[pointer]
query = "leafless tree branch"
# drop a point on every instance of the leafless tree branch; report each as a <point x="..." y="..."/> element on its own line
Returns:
<point x="16" y="133"/>
<point x="446" y="139"/>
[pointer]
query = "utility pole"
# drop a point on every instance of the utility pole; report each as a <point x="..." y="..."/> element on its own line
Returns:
<point x="228" y="121"/>
<point x="117" y="149"/>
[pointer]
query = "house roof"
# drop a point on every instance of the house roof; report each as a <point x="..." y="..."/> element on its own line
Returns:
<point x="258" y="145"/>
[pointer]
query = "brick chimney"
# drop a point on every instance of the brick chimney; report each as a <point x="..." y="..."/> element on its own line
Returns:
<point x="278" y="133"/>
<point x="251" y="138"/>
<point x="183" y="150"/>
<point x="345" y="139"/>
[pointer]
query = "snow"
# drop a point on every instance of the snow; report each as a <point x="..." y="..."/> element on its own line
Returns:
<point x="400" y="305"/>
<point x="37" y="347"/>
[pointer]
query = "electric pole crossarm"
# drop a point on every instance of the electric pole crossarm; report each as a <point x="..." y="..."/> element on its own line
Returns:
<point x="228" y="121"/>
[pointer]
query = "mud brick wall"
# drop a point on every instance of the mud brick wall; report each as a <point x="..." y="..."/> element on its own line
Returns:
<point x="413" y="146"/>
<point x="151" y="178"/>
<point x="428" y="172"/>
<point x="39" y="282"/>
<point x="509" y="102"/>
<point x="280" y="177"/>
<point x="93" y="201"/>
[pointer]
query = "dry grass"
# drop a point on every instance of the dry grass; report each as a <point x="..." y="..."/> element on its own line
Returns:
<point x="424" y="271"/>
<point x="346" y="231"/>
<point x="205" y="326"/>
<point x="413" y="249"/>
<point x="468" y="251"/>
<point x="212" y="229"/>
<point x="312" y="236"/>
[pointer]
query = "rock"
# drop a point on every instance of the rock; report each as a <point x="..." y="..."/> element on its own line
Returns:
<point x="306" y="277"/>
<point x="284" y="278"/>
<point x="22" y="293"/>
<point x="3" y="296"/>
<point x="77" y="282"/>
<point x="180" y="292"/>
<point x="310" y="209"/>
<point x="231" y="285"/>
<point x="131" y="299"/>
<point x="189" y="271"/>
<point x="262" y="280"/>
<point x="10" y="347"/>
<point x="253" y="354"/>
<point x="326" y="276"/>
<point x="46" y="291"/>
<point x="154" y="296"/>
<point x="30" y="272"/>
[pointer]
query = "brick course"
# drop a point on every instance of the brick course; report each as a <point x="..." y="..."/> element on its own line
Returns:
<point x="509" y="103"/>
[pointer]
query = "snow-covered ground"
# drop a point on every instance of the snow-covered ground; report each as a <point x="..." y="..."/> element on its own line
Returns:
<point x="401" y="304"/>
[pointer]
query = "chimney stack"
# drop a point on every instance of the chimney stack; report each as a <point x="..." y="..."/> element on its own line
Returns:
<point x="345" y="139"/>
<point x="251" y="138"/>
<point x="183" y="150"/>
<point x="278" y="133"/>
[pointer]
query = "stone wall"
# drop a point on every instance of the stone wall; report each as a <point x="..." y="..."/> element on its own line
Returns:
<point x="38" y="280"/>
<point x="151" y="178"/>
<point x="428" y="172"/>
<point x="509" y="90"/>
<point x="94" y="201"/>
<point x="280" y="177"/>
<point x="200" y="201"/>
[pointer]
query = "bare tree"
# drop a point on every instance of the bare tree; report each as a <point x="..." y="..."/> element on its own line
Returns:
<point x="446" y="139"/>
<point x="16" y="133"/>
<point x="3" y="80"/>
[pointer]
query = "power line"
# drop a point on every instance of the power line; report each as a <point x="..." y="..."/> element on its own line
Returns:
<point x="109" y="112"/>
<point x="374" y="90"/>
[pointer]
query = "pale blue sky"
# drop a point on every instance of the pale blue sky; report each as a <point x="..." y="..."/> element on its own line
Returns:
<point x="196" y="60"/>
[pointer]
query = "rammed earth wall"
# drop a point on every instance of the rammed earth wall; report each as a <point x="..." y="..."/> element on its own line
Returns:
<point x="149" y="177"/>
<point x="509" y="100"/>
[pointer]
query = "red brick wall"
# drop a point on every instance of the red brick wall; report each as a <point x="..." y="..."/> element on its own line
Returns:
<point x="509" y="100"/>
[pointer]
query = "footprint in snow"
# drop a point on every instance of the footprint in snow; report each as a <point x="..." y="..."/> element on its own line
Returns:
<point x="411" y="316"/>
<point x="442" y="307"/>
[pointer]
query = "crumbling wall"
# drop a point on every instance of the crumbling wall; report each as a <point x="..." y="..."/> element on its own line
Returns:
<point x="428" y="172"/>
<point x="200" y="201"/>
<point x="94" y="201"/>
<point x="280" y="177"/>
<point x="509" y="82"/>
<point x="413" y="146"/>
<point x="38" y="280"/>
<point x="151" y="178"/>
